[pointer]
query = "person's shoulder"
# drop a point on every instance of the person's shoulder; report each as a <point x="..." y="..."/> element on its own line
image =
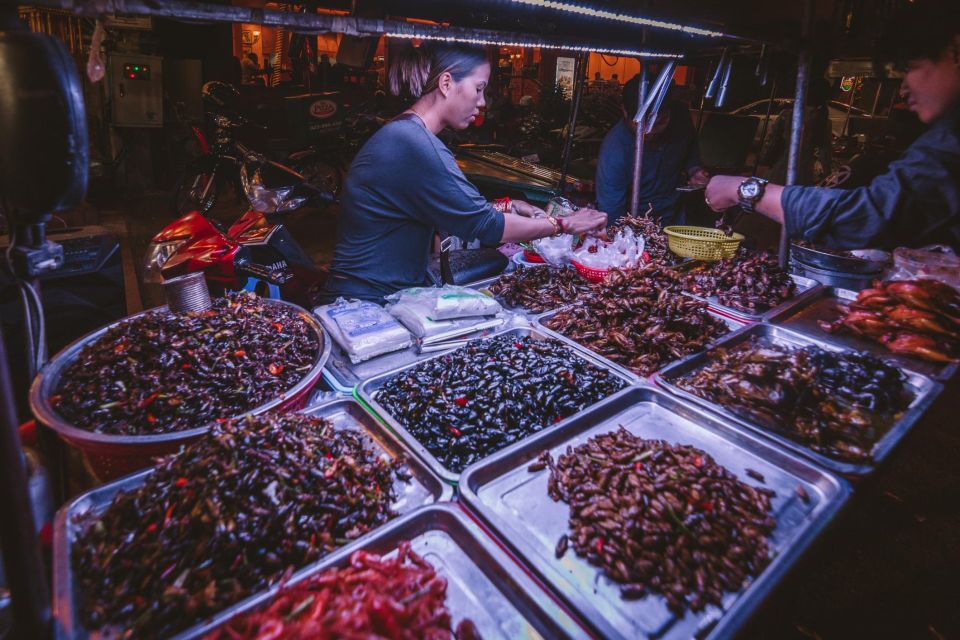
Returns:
<point x="618" y="134"/>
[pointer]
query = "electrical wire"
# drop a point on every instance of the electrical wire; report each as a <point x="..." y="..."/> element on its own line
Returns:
<point x="615" y="62"/>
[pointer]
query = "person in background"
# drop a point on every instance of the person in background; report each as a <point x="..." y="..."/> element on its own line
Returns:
<point x="324" y="72"/>
<point x="250" y="69"/>
<point x="917" y="201"/>
<point x="669" y="150"/>
<point x="404" y="185"/>
<point x="817" y="139"/>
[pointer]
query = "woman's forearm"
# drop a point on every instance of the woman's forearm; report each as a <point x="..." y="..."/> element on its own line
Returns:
<point x="521" y="229"/>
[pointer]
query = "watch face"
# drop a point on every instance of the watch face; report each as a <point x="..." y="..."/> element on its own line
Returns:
<point x="750" y="189"/>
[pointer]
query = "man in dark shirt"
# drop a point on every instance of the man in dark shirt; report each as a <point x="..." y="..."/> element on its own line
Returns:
<point x="917" y="201"/>
<point x="668" y="150"/>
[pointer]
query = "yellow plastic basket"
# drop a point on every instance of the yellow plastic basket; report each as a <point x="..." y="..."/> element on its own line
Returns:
<point x="702" y="243"/>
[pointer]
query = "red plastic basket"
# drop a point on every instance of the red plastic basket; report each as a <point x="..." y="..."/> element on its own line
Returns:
<point x="533" y="256"/>
<point x="591" y="274"/>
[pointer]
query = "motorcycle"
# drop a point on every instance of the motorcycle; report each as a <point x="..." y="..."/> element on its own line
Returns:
<point x="256" y="252"/>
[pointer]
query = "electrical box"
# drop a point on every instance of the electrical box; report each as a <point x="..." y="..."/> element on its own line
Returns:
<point x="136" y="90"/>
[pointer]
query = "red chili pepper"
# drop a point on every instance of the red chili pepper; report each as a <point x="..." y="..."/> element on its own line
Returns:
<point x="55" y="399"/>
<point x="707" y="506"/>
<point x="151" y="418"/>
<point x="150" y="398"/>
<point x="278" y="326"/>
<point x="239" y="353"/>
<point x="462" y="401"/>
<point x="166" y="517"/>
<point x="186" y="365"/>
<point x="182" y="482"/>
<point x="517" y="345"/>
<point x="557" y="419"/>
<point x="698" y="461"/>
<point x="120" y="348"/>
<point x="638" y="466"/>
<point x="275" y="368"/>
<point x="454" y="431"/>
<point x="152" y="528"/>
<point x="599" y="545"/>
<point x="329" y="456"/>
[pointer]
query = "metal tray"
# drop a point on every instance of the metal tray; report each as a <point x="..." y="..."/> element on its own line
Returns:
<point x="827" y="305"/>
<point x="368" y="393"/>
<point x="485" y="284"/>
<point x="925" y="391"/>
<point x="483" y="583"/>
<point x="515" y="505"/>
<point x="806" y="289"/>
<point x="733" y="323"/>
<point x="347" y="375"/>
<point x="424" y="488"/>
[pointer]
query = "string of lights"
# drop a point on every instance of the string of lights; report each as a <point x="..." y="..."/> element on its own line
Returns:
<point x="636" y="53"/>
<point x="622" y="17"/>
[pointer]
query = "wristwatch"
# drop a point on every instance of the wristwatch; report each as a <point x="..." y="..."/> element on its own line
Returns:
<point x="749" y="193"/>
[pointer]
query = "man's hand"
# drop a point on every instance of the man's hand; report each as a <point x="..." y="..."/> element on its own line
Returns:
<point x="721" y="193"/>
<point x="699" y="177"/>
<point x="583" y="221"/>
<point x="526" y="209"/>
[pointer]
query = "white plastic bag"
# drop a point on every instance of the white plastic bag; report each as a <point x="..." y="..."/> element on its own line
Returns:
<point x="624" y="251"/>
<point x="936" y="263"/>
<point x="555" y="250"/>
<point x="416" y="320"/>
<point x="363" y="330"/>
<point x="448" y="302"/>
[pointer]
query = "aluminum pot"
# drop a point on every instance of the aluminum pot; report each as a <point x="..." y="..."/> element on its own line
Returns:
<point x="111" y="456"/>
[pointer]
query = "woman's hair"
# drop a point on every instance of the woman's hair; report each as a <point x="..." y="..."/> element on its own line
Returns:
<point x="415" y="71"/>
<point x="917" y="31"/>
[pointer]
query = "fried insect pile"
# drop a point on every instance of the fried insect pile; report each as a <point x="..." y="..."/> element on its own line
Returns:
<point x="401" y="598"/>
<point x="838" y="404"/>
<point x="660" y="518"/>
<point x="225" y="518"/>
<point x="918" y="318"/>
<point x="634" y="319"/>
<point x="491" y="393"/>
<point x="752" y="283"/>
<point x="652" y="231"/>
<point x="539" y="289"/>
<point x="162" y="372"/>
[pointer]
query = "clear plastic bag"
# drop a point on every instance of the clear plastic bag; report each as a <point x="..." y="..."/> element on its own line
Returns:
<point x="416" y="320"/>
<point x="624" y="251"/>
<point x="555" y="250"/>
<point x="935" y="263"/>
<point x="448" y="302"/>
<point x="363" y="330"/>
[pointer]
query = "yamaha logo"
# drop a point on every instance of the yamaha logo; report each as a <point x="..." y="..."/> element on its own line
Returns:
<point x="323" y="109"/>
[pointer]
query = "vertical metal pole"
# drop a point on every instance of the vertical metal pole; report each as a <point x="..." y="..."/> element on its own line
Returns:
<point x="876" y="98"/>
<point x="580" y="74"/>
<point x="846" y="118"/>
<point x="799" y="107"/>
<point x="638" y="148"/>
<point x="703" y="95"/>
<point x="18" y="537"/>
<point x="766" y="120"/>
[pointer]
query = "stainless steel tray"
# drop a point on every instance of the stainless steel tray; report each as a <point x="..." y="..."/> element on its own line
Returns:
<point x="513" y="502"/>
<point x="424" y="488"/>
<point x="483" y="583"/>
<point x="485" y="284"/>
<point x="827" y="305"/>
<point x="733" y="323"/>
<point x="348" y="375"/>
<point x="368" y="393"/>
<point x="924" y="388"/>
<point x="806" y="288"/>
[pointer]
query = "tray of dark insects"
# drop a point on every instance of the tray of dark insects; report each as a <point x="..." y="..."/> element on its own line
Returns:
<point x="473" y="410"/>
<point x="509" y="493"/>
<point x="484" y="586"/>
<point x="536" y="290"/>
<point x="348" y="375"/>
<point x="806" y="289"/>
<point x="852" y="438"/>
<point x="540" y="323"/>
<point x="421" y="488"/>
<point x="828" y="305"/>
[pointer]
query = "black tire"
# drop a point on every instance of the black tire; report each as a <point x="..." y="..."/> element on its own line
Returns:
<point x="321" y="174"/>
<point x="189" y="190"/>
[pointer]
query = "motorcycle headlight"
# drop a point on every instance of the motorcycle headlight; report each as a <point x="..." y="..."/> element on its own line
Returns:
<point x="261" y="198"/>
<point x="157" y="255"/>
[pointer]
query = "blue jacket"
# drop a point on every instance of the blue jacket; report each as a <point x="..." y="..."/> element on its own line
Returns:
<point x="675" y="150"/>
<point x="915" y="203"/>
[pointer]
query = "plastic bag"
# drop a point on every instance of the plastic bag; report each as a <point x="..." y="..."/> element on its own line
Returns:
<point x="448" y="302"/>
<point x="624" y="251"/>
<point x="555" y="250"/>
<point x="415" y="319"/>
<point x="935" y="263"/>
<point x="363" y="330"/>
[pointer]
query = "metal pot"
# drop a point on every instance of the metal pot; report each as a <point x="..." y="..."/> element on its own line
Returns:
<point x="111" y="456"/>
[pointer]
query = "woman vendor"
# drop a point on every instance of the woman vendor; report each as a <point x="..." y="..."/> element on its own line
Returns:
<point x="404" y="185"/>
<point x="917" y="201"/>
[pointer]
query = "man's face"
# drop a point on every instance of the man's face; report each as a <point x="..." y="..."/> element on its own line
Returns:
<point x="932" y="87"/>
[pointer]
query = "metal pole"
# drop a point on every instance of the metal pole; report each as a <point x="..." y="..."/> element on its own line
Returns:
<point x="580" y="74"/>
<point x="766" y="120"/>
<point x="18" y="537"/>
<point x="799" y="106"/>
<point x="876" y="98"/>
<point x="846" y="118"/>
<point x="638" y="149"/>
<point x="703" y="95"/>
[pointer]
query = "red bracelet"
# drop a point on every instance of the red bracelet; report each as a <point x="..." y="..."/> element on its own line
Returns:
<point x="502" y="204"/>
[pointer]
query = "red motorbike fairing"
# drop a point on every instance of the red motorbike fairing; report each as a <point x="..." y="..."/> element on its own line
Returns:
<point x="206" y="250"/>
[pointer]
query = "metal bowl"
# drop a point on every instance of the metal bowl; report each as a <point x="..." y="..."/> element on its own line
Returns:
<point x="111" y="456"/>
<point x="820" y="259"/>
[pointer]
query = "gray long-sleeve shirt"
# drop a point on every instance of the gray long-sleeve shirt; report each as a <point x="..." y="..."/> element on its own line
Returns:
<point x="403" y="185"/>
<point x="915" y="203"/>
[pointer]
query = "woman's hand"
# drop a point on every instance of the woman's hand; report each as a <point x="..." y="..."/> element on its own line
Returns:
<point x="526" y="209"/>
<point x="583" y="221"/>
<point x="698" y="177"/>
<point x="721" y="193"/>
